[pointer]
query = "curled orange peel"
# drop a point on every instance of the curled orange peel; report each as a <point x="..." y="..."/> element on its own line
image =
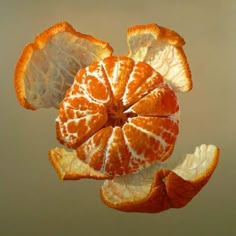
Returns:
<point x="118" y="115"/>
<point x="69" y="167"/>
<point x="157" y="189"/>
<point x="47" y="66"/>
<point x="162" y="49"/>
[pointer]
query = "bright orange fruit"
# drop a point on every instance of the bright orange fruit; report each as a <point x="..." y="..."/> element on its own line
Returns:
<point x="118" y="115"/>
<point x="104" y="117"/>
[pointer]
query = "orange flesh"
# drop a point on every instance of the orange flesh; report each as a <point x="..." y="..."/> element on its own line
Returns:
<point x="104" y="118"/>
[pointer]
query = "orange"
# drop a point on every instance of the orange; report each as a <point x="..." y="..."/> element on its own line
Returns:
<point x="104" y="117"/>
<point x="118" y="115"/>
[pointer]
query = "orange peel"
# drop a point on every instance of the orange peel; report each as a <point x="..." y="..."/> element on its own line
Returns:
<point x="70" y="167"/>
<point x="119" y="115"/>
<point x="157" y="189"/>
<point x="47" y="67"/>
<point x="162" y="49"/>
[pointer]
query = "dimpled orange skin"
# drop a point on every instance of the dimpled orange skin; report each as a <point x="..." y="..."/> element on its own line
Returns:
<point x="119" y="115"/>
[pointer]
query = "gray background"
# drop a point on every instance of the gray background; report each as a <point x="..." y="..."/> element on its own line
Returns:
<point x="33" y="201"/>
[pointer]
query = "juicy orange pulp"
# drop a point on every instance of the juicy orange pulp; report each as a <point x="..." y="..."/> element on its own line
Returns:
<point x="119" y="115"/>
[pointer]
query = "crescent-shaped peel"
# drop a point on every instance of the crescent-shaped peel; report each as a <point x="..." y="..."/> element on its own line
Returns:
<point x="158" y="188"/>
<point x="162" y="49"/>
<point x="48" y="67"/>
<point x="153" y="189"/>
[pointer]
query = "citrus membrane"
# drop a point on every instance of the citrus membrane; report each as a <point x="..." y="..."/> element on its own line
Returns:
<point x="161" y="48"/>
<point x="47" y="67"/>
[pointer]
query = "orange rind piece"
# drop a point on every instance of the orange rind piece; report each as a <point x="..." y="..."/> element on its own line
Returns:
<point x="156" y="188"/>
<point x="162" y="49"/>
<point x="47" y="67"/>
<point x="70" y="167"/>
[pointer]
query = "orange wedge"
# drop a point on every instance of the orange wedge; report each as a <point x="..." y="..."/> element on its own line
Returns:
<point x="47" y="67"/>
<point x="162" y="49"/>
<point x="69" y="167"/>
<point x="156" y="188"/>
<point x="119" y="116"/>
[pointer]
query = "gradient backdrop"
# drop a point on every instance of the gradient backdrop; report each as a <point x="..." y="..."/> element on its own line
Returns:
<point x="33" y="201"/>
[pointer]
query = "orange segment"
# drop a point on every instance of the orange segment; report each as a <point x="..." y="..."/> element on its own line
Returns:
<point x="156" y="189"/>
<point x="142" y="80"/>
<point x="92" y="151"/>
<point x="75" y="124"/>
<point x="47" y="67"/>
<point x="161" y="48"/>
<point x="162" y="101"/>
<point x="93" y="82"/>
<point x="69" y="167"/>
<point x="118" y="71"/>
<point x="107" y="152"/>
<point x="149" y="139"/>
<point x="82" y="111"/>
<point x="118" y="156"/>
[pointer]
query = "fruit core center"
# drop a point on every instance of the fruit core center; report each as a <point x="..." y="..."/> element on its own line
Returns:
<point x="117" y="115"/>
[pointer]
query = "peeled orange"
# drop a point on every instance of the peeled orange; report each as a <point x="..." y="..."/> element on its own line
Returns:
<point x="104" y="118"/>
<point x="118" y="115"/>
<point x="162" y="49"/>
